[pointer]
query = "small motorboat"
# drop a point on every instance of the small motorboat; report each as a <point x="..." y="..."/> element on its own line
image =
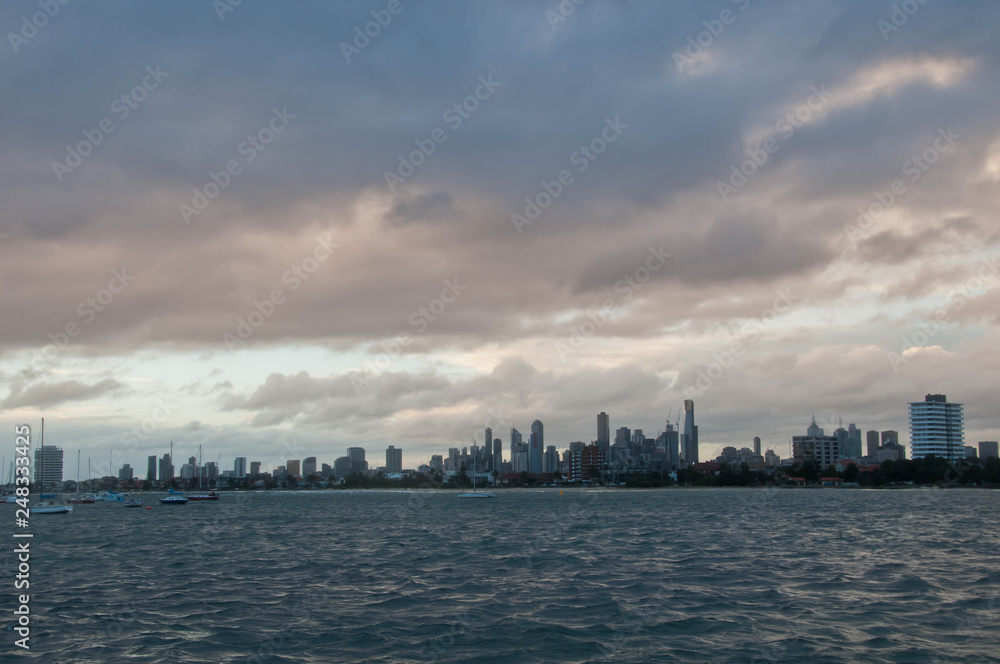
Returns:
<point x="81" y="500"/>
<point x="174" y="499"/>
<point x="48" y="507"/>
<point x="211" y="495"/>
<point x="133" y="502"/>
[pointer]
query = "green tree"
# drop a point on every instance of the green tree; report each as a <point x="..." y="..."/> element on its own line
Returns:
<point x="851" y="473"/>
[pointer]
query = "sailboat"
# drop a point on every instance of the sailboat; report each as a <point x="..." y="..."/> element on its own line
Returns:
<point x="211" y="495"/>
<point x="474" y="493"/>
<point x="174" y="498"/>
<point x="12" y="498"/>
<point x="78" y="498"/>
<point x="46" y="506"/>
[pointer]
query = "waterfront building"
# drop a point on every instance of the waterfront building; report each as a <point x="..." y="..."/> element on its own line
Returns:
<point x="166" y="468"/>
<point x="816" y="446"/>
<point x="151" y="468"/>
<point x="497" y="454"/>
<point x="603" y="430"/>
<point x="357" y="457"/>
<point x="537" y="446"/>
<point x="937" y="427"/>
<point x="125" y="473"/>
<point x="240" y="467"/>
<point x="393" y="459"/>
<point x="689" y="439"/>
<point x="871" y="444"/>
<point x="987" y="449"/>
<point x="254" y="468"/>
<point x="342" y="467"/>
<point x="551" y="459"/>
<point x="582" y="464"/>
<point x="294" y="467"/>
<point x="515" y="445"/>
<point x="756" y="445"/>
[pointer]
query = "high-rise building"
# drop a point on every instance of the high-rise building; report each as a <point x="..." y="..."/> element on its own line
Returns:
<point x="987" y="449"/>
<point x="497" y="454"/>
<point x="851" y="446"/>
<point x="342" y="466"/>
<point x="937" y="427"/>
<point x="603" y="430"/>
<point x="771" y="460"/>
<point x="393" y="460"/>
<point x="816" y="446"/>
<point x="551" y="459"/>
<point x="437" y="463"/>
<point x="488" y="440"/>
<point x="48" y="465"/>
<point x="537" y="446"/>
<point x="240" y="467"/>
<point x="293" y="467"/>
<point x="357" y="457"/>
<point x="672" y="441"/>
<point x="583" y="465"/>
<point x="756" y="445"/>
<point x="254" y="468"/>
<point x="689" y="439"/>
<point x="871" y="443"/>
<point x="166" y="468"/>
<point x="622" y="437"/>
<point x="890" y="436"/>
<point x="125" y="473"/>
<point x="515" y="443"/>
<point x="308" y="466"/>
<point x="151" y="469"/>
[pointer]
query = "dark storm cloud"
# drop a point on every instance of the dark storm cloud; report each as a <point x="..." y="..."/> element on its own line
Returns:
<point x="48" y="394"/>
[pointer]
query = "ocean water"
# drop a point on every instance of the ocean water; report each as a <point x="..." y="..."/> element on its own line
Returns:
<point x="682" y="575"/>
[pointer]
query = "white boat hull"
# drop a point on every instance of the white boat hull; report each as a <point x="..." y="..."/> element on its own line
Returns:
<point x="477" y="494"/>
<point x="54" y="509"/>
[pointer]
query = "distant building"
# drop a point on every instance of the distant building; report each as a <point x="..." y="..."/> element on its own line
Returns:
<point x="308" y="466"/>
<point x="342" y="467"/>
<point x="583" y="463"/>
<point x="937" y="428"/>
<point x="890" y="436"/>
<point x="48" y="465"/>
<point x="497" y="454"/>
<point x="771" y="460"/>
<point x="756" y="445"/>
<point x="816" y="446"/>
<point x="871" y="444"/>
<point x="166" y="468"/>
<point x="672" y="442"/>
<point x="689" y="439"/>
<point x="437" y="463"/>
<point x="537" y="446"/>
<point x="187" y="471"/>
<point x="125" y="473"/>
<point x="851" y="446"/>
<point x="551" y="459"/>
<point x="151" y="469"/>
<point x="515" y="445"/>
<point x="325" y="471"/>
<point x="890" y="452"/>
<point x="603" y="430"/>
<point x="254" y="468"/>
<point x="970" y="452"/>
<point x="357" y="457"/>
<point x="393" y="460"/>
<point x="293" y="467"/>
<point x="240" y="467"/>
<point x="988" y="448"/>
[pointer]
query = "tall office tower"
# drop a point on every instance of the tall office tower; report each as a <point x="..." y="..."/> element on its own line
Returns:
<point x="689" y="439"/>
<point x="515" y="443"/>
<point x="638" y="437"/>
<point x="537" y="447"/>
<point x="125" y="474"/>
<point x="342" y="466"/>
<point x="437" y="463"/>
<point x="756" y="445"/>
<point x="497" y="455"/>
<point x="871" y="446"/>
<point x="393" y="460"/>
<point x="151" y="469"/>
<point x="890" y="436"/>
<point x="454" y="461"/>
<point x="240" y="467"/>
<point x="308" y="466"/>
<point x="357" y="457"/>
<point x="622" y="437"/>
<point x="255" y="468"/>
<point x="816" y="446"/>
<point x="294" y="467"/>
<point x="551" y="459"/>
<point x="193" y="461"/>
<point x="488" y="440"/>
<point x="166" y="468"/>
<point x="987" y="449"/>
<point x="603" y="430"/>
<point x="841" y="434"/>
<point x="673" y="447"/>
<point x="852" y="444"/>
<point x="937" y="427"/>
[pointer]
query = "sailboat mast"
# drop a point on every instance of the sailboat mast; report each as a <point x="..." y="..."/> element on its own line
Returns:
<point x="78" y="472"/>
<point x="41" y="462"/>
<point x="199" y="467"/>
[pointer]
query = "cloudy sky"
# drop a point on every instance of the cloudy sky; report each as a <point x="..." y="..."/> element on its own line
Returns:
<point x="258" y="229"/>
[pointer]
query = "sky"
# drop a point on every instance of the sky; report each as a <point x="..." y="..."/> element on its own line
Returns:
<point x="279" y="230"/>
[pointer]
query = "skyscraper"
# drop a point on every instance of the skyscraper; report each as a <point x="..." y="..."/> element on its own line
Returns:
<point x="987" y="449"/>
<point x="254" y="468"/>
<point x="497" y="454"/>
<point x="756" y="445"/>
<point x="240" y="467"/>
<point x="294" y="467"/>
<point x="937" y="427"/>
<point x="871" y="444"/>
<point x="603" y="430"/>
<point x="551" y="459"/>
<point x="488" y="440"/>
<point x="535" y="455"/>
<point x="515" y="443"/>
<point x="816" y="446"/>
<point x="357" y="457"/>
<point x="890" y="436"/>
<point x="166" y="469"/>
<point x="151" y="469"/>
<point x="308" y="466"/>
<point x="689" y="439"/>
<point x="125" y="473"/>
<point x="393" y="460"/>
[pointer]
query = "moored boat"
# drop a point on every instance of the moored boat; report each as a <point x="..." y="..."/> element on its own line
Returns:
<point x="133" y="502"/>
<point x="211" y="495"/>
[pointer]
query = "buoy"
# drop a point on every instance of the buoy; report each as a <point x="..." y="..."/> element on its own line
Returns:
<point x="560" y="493"/>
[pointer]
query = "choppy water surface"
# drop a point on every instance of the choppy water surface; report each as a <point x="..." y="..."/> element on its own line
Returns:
<point x="710" y="575"/>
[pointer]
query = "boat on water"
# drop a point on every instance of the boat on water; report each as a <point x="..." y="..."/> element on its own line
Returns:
<point x="50" y="507"/>
<point x="474" y="493"/>
<point x="109" y="497"/>
<point x="47" y="503"/>
<point x="174" y="498"/>
<point x="211" y="495"/>
<point x="80" y="500"/>
<point x="133" y="502"/>
<point x="77" y="498"/>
